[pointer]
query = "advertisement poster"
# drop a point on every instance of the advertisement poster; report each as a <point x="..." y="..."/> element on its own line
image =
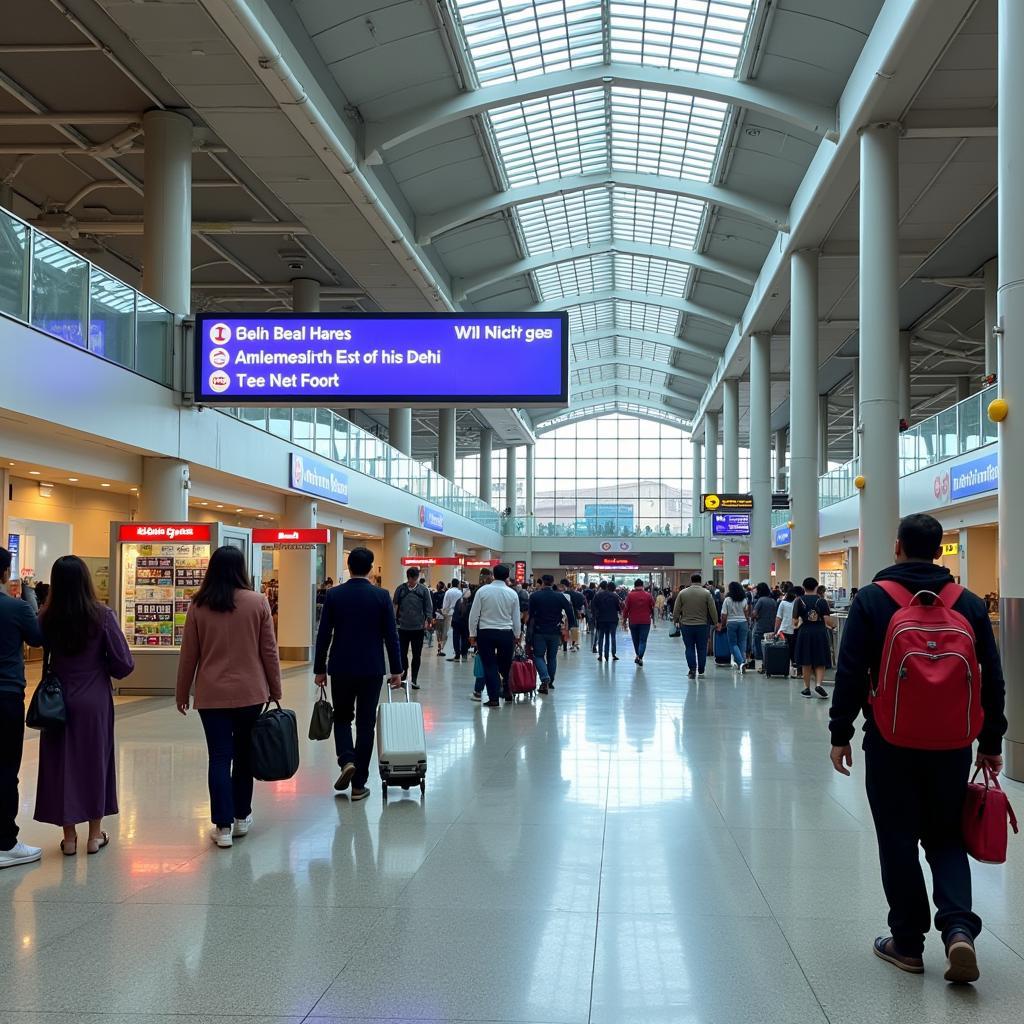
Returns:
<point x="158" y="583"/>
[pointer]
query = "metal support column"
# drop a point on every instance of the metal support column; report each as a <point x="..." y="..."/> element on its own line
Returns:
<point x="486" y="477"/>
<point x="803" y="413"/>
<point x="780" y="458"/>
<point x="531" y="478"/>
<point x="991" y="270"/>
<point x="397" y="540"/>
<point x="446" y="443"/>
<point x="511" y="479"/>
<point x="297" y="583"/>
<point x="163" y="497"/>
<point x="305" y="295"/>
<point x="400" y="430"/>
<point x="710" y="452"/>
<point x="906" y="399"/>
<point x="731" y="434"/>
<point x="855" y="411"/>
<point x="760" y="456"/>
<point x="823" y="406"/>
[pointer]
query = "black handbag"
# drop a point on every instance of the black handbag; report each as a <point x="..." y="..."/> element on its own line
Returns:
<point x="275" y="744"/>
<point x="322" y="719"/>
<point x="47" y="709"/>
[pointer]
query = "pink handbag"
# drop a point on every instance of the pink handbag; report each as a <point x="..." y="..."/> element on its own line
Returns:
<point x="986" y="812"/>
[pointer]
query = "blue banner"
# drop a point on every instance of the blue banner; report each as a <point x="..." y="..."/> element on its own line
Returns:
<point x="979" y="476"/>
<point x="314" y="476"/>
<point x="781" y="536"/>
<point x="730" y="524"/>
<point x="431" y="519"/>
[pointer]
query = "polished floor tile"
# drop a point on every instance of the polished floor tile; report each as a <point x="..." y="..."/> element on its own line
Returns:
<point x="634" y="848"/>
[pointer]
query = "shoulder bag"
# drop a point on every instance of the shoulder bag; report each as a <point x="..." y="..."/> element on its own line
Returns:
<point x="47" y="709"/>
<point x="985" y="816"/>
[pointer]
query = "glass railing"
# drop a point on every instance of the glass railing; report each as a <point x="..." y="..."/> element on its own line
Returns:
<point x="329" y="435"/>
<point x="837" y="484"/>
<point x="47" y="285"/>
<point x="540" y="526"/>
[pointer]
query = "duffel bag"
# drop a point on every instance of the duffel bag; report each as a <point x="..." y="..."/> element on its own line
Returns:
<point x="275" y="744"/>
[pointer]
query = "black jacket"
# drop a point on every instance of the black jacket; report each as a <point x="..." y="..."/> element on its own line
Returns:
<point x="547" y="606"/>
<point x="18" y="625"/>
<point x="860" y="655"/>
<point x="356" y="625"/>
<point x="606" y="608"/>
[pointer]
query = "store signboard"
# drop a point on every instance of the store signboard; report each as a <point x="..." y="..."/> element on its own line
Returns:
<point x="726" y="502"/>
<point x="730" y="524"/>
<point x="288" y="538"/>
<point x="744" y="561"/>
<point x="431" y="560"/>
<point x="482" y="563"/>
<point x="951" y="548"/>
<point x="520" y="572"/>
<point x="383" y="358"/>
<point x="782" y="536"/>
<point x="718" y="562"/>
<point x="155" y="533"/>
<point x="315" y="476"/>
<point x="642" y="558"/>
<point x="977" y="476"/>
<point x="618" y="568"/>
<point x="431" y="519"/>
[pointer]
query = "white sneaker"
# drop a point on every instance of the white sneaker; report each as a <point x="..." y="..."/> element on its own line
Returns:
<point x="241" y="826"/>
<point x="20" y="853"/>
<point x="221" y="837"/>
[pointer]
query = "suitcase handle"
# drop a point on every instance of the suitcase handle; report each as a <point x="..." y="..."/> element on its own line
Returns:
<point x="405" y="688"/>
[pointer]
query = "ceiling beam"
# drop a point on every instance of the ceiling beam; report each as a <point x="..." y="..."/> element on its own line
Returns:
<point x="643" y="364"/>
<point x="593" y="410"/>
<point x="461" y="286"/>
<point x="69" y="226"/>
<point x="429" y="226"/>
<point x="813" y="117"/>
<point x="654" y="337"/>
<point x="650" y="389"/>
<point x="55" y="117"/>
<point x="646" y="298"/>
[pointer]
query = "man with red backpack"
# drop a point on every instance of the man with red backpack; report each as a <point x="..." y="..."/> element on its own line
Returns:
<point x="918" y="657"/>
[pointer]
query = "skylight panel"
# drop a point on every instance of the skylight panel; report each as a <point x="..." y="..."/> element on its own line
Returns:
<point x="646" y="274"/>
<point x="656" y="218"/>
<point x="641" y="316"/>
<point x="576" y="277"/>
<point x="590" y="317"/>
<point x="577" y="218"/>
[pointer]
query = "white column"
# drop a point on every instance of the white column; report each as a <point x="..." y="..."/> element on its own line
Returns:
<point x="167" y="210"/>
<point x="531" y="478"/>
<point x="699" y="527"/>
<point x="905" y="394"/>
<point x="334" y="556"/>
<point x="397" y="541"/>
<point x="879" y="339"/>
<point x="163" y="497"/>
<point x="803" y="413"/>
<point x="731" y="434"/>
<point x="710" y="452"/>
<point x="446" y="443"/>
<point x="444" y="547"/>
<point x="760" y="456"/>
<point x="1010" y="367"/>
<point x="305" y="295"/>
<point x="991" y="271"/>
<point x="486" y="477"/>
<point x="297" y="583"/>
<point x="400" y="430"/>
<point x="822" y="434"/>
<point x="780" y="457"/>
<point x="855" y="411"/>
<point x="511" y="478"/>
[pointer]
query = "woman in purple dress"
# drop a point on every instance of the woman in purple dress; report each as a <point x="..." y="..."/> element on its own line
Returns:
<point x="85" y="647"/>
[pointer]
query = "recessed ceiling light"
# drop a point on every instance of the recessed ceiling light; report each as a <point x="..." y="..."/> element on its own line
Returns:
<point x="204" y="503"/>
<point x="220" y="506"/>
<point x="72" y="479"/>
<point x="34" y="472"/>
<point x="238" y="510"/>
<point x="259" y="515"/>
<point x="134" y="488"/>
<point x="104" y="485"/>
<point x="10" y="463"/>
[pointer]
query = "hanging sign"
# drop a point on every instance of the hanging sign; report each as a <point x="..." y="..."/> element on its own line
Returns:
<point x="482" y="563"/>
<point x="189" y="533"/>
<point x="520" y="572"/>
<point x="730" y="524"/>
<point x="726" y="502"/>
<point x="431" y="560"/>
<point x="289" y="538"/>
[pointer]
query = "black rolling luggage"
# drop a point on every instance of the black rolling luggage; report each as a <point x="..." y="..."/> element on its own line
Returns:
<point x="776" y="657"/>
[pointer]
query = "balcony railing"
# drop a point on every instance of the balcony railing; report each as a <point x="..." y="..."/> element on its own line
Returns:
<point x="541" y="526"/>
<point x="50" y="287"/>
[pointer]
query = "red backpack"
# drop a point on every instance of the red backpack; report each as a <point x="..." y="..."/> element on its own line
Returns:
<point x="927" y="694"/>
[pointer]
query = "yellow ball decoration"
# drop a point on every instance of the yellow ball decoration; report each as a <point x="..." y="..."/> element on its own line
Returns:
<point x="998" y="410"/>
<point x="859" y="483"/>
<point x="791" y="524"/>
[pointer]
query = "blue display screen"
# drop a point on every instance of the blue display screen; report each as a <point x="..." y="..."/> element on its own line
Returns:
<point x="386" y="359"/>
<point x="730" y="524"/>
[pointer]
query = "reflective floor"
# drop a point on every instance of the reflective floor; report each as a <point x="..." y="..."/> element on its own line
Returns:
<point x="634" y="849"/>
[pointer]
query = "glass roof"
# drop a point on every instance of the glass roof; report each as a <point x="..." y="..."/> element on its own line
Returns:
<point x="601" y="408"/>
<point x="612" y="270"/>
<point x="640" y="316"/>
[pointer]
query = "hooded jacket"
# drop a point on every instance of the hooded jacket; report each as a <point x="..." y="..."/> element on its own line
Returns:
<point x="860" y="655"/>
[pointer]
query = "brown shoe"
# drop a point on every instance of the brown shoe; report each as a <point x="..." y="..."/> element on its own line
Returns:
<point x="543" y="688"/>
<point x="885" y="949"/>
<point x="962" y="960"/>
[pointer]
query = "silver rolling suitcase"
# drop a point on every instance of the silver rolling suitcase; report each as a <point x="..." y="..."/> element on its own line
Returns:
<point x="401" y="744"/>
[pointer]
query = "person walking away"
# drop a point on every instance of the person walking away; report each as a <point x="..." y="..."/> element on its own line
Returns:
<point x="495" y="628"/>
<point x="229" y="657"/>
<point x="588" y="596"/>
<point x="579" y="605"/>
<point x="735" y="620"/>
<point x="606" y="619"/>
<point x="639" y="612"/>
<point x="694" y="613"/>
<point x="84" y="648"/>
<point x="414" y="610"/>
<point x="18" y="626"/>
<point x="452" y="596"/>
<point x="440" y="622"/>
<point x="763" y="616"/>
<point x="460" y="626"/>
<point x="917" y="795"/>
<point x="813" y="651"/>
<point x="659" y="607"/>
<point x="549" y="609"/>
<point x="356" y="628"/>
<point x="784" y="621"/>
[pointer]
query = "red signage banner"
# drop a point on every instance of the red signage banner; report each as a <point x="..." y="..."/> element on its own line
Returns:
<point x="485" y="563"/>
<point x="145" y="533"/>
<point x="287" y="536"/>
<point x="610" y="562"/>
<point x="431" y="560"/>
<point x="744" y="561"/>
<point x="718" y="561"/>
<point x="520" y="572"/>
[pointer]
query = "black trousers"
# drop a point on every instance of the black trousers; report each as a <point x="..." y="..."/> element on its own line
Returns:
<point x="229" y="743"/>
<point x="916" y="798"/>
<point x="460" y="639"/>
<point x="355" y="699"/>
<point x="12" y="740"/>
<point x="413" y="638"/>
<point x="496" y="647"/>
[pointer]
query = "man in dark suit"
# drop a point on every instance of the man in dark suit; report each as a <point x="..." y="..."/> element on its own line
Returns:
<point x="357" y="623"/>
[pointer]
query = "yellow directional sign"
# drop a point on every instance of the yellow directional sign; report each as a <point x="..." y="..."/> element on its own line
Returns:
<point x="726" y="502"/>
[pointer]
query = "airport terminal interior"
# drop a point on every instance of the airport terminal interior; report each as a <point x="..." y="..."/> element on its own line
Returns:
<point x="616" y="292"/>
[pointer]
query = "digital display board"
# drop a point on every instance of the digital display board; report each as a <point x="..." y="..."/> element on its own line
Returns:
<point x="382" y="359"/>
<point x="730" y="524"/>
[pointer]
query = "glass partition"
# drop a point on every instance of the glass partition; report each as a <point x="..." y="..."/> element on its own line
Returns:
<point x="14" y="266"/>
<point x="60" y="291"/>
<point x="154" y="340"/>
<point x="112" y="319"/>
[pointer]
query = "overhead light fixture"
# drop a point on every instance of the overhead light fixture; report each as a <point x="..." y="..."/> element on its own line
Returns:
<point x="72" y="479"/>
<point x="204" y="503"/>
<point x="259" y="515"/>
<point x="220" y="506"/>
<point x="238" y="510"/>
<point x="133" y="488"/>
<point x="45" y="489"/>
<point x="34" y="472"/>
<point x="10" y="463"/>
<point x="104" y="485"/>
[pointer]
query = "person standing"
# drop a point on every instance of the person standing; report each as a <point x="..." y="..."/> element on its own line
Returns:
<point x="579" y="604"/>
<point x="440" y="621"/>
<point x="694" y="612"/>
<point x="735" y="620"/>
<point x="606" y="619"/>
<point x="763" y="616"/>
<point x="18" y="626"/>
<point x="784" y="620"/>
<point x="813" y="651"/>
<point x="917" y="795"/>
<point x="460" y="626"/>
<point x="639" y="612"/>
<point x="357" y="626"/>
<point x="495" y="627"/>
<point x="229" y="656"/>
<point x="548" y="610"/>
<point x="414" y="610"/>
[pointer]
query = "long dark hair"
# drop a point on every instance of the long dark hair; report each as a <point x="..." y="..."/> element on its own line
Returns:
<point x="763" y="590"/>
<point x="225" y="574"/>
<point x="72" y="614"/>
<point x="736" y="591"/>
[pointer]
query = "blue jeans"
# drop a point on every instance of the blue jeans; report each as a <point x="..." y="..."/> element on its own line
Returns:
<point x="695" y="640"/>
<point x="736" y="630"/>
<point x="355" y="699"/>
<point x="228" y="732"/>
<point x="640" y="634"/>
<point x="606" y="637"/>
<point x="545" y="655"/>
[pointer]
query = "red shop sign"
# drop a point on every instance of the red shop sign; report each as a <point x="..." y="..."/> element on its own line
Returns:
<point x="744" y="561"/>
<point x="286" y="536"/>
<point x="520" y="572"/>
<point x="189" y="533"/>
<point x="485" y="563"/>
<point x="615" y="563"/>
<point x="718" y="561"/>
<point x="432" y="560"/>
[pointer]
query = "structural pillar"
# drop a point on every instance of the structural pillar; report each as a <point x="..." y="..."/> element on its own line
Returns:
<point x="731" y="434"/>
<point x="905" y="398"/>
<point x="163" y="497"/>
<point x="486" y="479"/>
<point x="334" y="556"/>
<point x="803" y="413"/>
<point x="167" y="210"/>
<point x="991" y="271"/>
<point x="698" y="517"/>
<point x="531" y="478"/>
<point x="305" y="295"/>
<point x="822" y="434"/>
<point x="400" y="430"/>
<point x="760" y="456"/>
<point x="444" y="547"/>
<point x="710" y="452"/>
<point x="5" y="484"/>
<point x="780" y="459"/>
<point x="879" y="338"/>
<point x="297" y="585"/>
<point x="397" y="541"/>
<point x="1010" y="367"/>
<point x="446" y="443"/>
<point x="855" y="411"/>
<point x="511" y="479"/>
